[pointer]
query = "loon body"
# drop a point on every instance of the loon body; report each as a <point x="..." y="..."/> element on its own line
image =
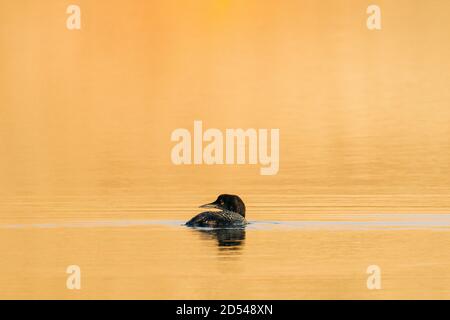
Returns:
<point x="231" y="213"/>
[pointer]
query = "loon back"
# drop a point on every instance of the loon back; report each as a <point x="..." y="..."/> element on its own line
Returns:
<point x="217" y="219"/>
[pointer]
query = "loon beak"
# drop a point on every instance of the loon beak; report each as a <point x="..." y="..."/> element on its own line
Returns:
<point x="212" y="205"/>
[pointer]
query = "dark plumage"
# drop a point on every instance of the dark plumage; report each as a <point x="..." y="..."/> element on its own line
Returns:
<point x="231" y="214"/>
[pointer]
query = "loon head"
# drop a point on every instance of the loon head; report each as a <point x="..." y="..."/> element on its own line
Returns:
<point x="227" y="202"/>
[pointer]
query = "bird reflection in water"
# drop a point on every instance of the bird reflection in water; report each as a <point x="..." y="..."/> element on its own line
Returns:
<point x="227" y="238"/>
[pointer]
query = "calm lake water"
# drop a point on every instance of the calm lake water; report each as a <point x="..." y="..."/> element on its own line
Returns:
<point x="320" y="256"/>
<point x="86" y="176"/>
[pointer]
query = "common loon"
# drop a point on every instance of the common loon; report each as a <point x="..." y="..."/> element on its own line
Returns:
<point x="231" y="214"/>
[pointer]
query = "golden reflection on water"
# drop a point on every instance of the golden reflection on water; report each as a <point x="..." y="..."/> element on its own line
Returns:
<point x="174" y="262"/>
<point x="85" y="123"/>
